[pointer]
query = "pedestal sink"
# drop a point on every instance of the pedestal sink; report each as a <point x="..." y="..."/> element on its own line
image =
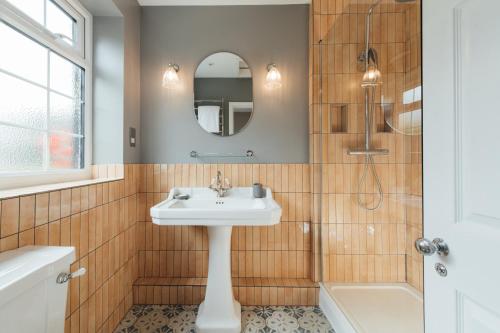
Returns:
<point x="219" y="312"/>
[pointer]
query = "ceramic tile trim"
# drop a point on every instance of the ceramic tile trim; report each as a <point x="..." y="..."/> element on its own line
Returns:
<point x="254" y="295"/>
<point x="99" y="174"/>
<point x="249" y="291"/>
<point x="39" y="189"/>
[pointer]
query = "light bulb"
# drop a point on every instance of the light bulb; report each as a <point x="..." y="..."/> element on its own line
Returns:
<point x="171" y="78"/>
<point x="372" y="77"/>
<point x="273" y="77"/>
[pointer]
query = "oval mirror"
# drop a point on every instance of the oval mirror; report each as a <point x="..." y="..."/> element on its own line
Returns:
<point x="223" y="94"/>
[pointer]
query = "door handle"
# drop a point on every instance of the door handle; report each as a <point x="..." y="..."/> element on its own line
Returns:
<point x="427" y="248"/>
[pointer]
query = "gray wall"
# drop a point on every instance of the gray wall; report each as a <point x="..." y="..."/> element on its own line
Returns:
<point x="131" y="12"/>
<point x="117" y="43"/>
<point x="278" y="131"/>
<point x="108" y="79"/>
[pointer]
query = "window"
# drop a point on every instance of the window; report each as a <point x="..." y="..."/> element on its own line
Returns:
<point x="55" y="16"/>
<point x="44" y="80"/>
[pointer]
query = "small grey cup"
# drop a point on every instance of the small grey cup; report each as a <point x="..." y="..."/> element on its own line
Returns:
<point x="258" y="191"/>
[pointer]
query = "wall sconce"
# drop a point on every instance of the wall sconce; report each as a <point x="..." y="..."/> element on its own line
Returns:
<point x="171" y="78"/>
<point x="273" y="77"/>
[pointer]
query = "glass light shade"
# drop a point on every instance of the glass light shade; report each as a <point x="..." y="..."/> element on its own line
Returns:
<point x="273" y="78"/>
<point x="372" y="77"/>
<point x="171" y="78"/>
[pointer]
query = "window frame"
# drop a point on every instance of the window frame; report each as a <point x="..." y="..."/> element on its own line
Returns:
<point x="81" y="55"/>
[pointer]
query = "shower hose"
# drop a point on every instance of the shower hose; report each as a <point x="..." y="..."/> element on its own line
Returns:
<point x="370" y="164"/>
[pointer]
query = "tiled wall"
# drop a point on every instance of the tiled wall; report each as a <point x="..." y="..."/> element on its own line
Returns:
<point x="413" y="79"/>
<point x="277" y="252"/>
<point x="280" y="251"/>
<point x="99" y="220"/>
<point x="359" y="245"/>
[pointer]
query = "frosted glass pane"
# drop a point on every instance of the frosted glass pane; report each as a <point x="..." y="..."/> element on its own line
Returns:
<point x="65" y="77"/>
<point x="21" y="149"/>
<point x="66" y="151"/>
<point x="22" y="57"/>
<point x="65" y="114"/>
<point x="32" y="8"/>
<point x="59" y="22"/>
<point x="22" y="103"/>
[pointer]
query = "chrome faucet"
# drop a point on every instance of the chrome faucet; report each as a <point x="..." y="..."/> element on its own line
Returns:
<point x="220" y="186"/>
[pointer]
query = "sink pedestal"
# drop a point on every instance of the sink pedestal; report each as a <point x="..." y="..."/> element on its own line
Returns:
<point x="219" y="312"/>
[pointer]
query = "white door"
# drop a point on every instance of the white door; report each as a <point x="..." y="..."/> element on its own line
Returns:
<point x="461" y="75"/>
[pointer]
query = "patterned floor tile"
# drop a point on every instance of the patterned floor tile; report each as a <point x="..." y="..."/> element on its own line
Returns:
<point x="254" y="319"/>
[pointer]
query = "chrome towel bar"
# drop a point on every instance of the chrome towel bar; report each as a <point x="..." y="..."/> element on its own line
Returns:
<point x="247" y="154"/>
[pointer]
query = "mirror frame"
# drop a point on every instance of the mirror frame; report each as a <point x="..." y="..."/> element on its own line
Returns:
<point x="253" y="93"/>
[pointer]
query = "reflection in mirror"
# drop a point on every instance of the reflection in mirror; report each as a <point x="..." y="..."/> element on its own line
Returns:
<point x="408" y="119"/>
<point x="223" y="94"/>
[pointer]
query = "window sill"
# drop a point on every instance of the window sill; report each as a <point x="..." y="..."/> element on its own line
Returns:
<point x="22" y="191"/>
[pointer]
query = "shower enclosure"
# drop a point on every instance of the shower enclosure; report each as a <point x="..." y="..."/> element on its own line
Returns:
<point x="367" y="162"/>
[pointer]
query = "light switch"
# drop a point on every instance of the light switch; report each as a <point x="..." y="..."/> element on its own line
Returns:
<point x="131" y="135"/>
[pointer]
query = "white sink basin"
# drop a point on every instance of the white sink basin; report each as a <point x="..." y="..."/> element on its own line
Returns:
<point x="237" y="207"/>
<point x="219" y="312"/>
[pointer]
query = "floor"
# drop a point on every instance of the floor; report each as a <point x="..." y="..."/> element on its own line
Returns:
<point x="254" y="319"/>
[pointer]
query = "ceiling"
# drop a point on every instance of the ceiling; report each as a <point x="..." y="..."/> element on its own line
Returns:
<point x="219" y="2"/>
<point x="108" y="8"/>
<point x="101" y="7"/>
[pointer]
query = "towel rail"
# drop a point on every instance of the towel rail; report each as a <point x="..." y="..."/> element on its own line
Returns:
<point x="247" y="154"/>
<point x="221" y="111"/>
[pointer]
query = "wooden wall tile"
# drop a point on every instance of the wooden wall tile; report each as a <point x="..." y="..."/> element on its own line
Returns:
<point x="27" y="213"/>
<point x="54" y="206"/>
<point x="41" y="209"/>
<point x="9" y="223"/>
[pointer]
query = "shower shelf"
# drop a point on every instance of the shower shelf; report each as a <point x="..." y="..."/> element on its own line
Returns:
<point x="372" y="152"/>
<point x="338" y="117"/>
<point x="383" y="116"/>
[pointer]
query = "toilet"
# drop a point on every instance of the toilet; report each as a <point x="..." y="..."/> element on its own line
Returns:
<point x="32" y="298"/>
